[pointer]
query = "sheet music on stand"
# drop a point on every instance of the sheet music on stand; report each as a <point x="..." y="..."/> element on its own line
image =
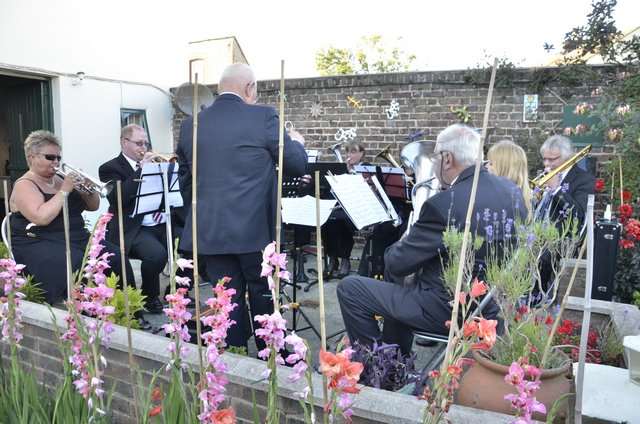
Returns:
<point x="394" y="180"/>
<point x="302" y="210"/>
<point x="150" y="195"/>
<point x="357" y="198"/>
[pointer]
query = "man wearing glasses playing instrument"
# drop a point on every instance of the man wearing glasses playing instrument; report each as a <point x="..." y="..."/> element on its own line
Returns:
<point x="566" y="193"/>
<point x="425" y="304"/>
<point x="144" y="235"/>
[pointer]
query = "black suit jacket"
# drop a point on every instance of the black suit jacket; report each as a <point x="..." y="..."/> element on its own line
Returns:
<point x="421" y="250"/>
<point x="571" y="199"/>
<point x="237" y="155"/>
<point x="116" y="169"/>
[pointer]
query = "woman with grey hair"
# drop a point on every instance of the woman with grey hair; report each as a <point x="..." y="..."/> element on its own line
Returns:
<point x="37" y="226"/>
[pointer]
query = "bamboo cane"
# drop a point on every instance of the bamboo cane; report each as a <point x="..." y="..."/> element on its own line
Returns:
<point x="319" y="255"/>
<point x="276" y="280"/>
<point x="125" y="292"/>
<point x="586" y="315"/>
<point x="621" y="184"/>
<point x="67" y="244"/>
<point x="194" y="221"/>
<point x="7" y="211"/>
<point x="453" y="328"/>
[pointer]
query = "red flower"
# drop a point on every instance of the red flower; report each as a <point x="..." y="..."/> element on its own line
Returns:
<point x="156" y="395"/>
<point x="566" y="328"/>
<point x="478" y="288"/>
<point x="632" y="229"/>
<point x="599" y="185"/>
<point x="625" y="210"/>
<point x="548" y="320"/>
<point x="462" y="298"/>
<point x="155" y="411"/>
<point x="224" y="416"/>
<point x="626" y="195"/>
<point x="626" y="244"/>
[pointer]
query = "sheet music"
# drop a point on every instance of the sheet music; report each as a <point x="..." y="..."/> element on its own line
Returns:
<point x="312" y="155"/>
<point x="151" y="188"/>
<point x="302" y="210"/>
<point x="358" y="200"/>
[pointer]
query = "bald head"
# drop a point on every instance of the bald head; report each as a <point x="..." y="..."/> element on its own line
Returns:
<point x="239" y="79"/>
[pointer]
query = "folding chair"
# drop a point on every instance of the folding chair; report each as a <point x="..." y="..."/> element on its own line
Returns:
<point x="5" y="238"/>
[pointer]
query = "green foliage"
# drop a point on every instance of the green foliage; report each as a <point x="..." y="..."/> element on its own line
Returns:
<point x="136" y="303"/>
<point x="22" y="399"/>
<point x="636" y="298"/>
<point x="238" y="350"/>
<point x="370" y="56"/>
<point x="32" y="291"/>
<point x="481" y="74"/>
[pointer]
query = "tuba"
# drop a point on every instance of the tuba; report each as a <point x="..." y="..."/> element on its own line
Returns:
<point x="89" y="184"/>
<point x="415" y="156"/>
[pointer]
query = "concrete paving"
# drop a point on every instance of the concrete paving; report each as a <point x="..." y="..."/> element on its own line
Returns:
<point x="309" y="308"/>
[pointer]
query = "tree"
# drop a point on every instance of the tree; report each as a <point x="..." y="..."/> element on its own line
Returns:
<point x="371" y="55"/>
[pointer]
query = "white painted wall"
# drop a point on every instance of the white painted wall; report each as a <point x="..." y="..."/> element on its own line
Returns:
<point x="87" y="118"/>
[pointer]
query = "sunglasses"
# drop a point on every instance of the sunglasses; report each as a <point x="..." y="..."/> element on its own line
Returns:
<point x="51" y="158"/>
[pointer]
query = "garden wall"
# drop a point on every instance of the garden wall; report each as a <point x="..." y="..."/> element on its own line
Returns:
<point x="40" y="351"/>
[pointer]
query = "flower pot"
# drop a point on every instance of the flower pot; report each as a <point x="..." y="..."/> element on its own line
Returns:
<point x="632" y="347"/>
<point x="483" y="386"/>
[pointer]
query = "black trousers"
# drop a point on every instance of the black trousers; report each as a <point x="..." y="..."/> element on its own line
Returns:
<point x="244" y="270"/>
<point x="150" y="246"/>
<point x="337" y="237"/>
<point x="403" y="308"/>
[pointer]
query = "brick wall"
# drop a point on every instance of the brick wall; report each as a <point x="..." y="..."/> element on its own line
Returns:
<point x="425" y="100"/>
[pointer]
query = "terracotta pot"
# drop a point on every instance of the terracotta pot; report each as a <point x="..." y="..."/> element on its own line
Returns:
<point x="483" y="386"/>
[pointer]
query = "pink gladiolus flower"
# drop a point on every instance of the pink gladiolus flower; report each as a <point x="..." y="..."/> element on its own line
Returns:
<point x="212" y="394"/>
<point x="184" y="263"/>
<point x="524" y="401"/>
<point x="10" y="313"/>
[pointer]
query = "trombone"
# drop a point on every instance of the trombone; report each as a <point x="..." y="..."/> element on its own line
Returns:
<point x="386" y="155"/>
<point x="543" y="178"/>
<point x="89" y="185"/>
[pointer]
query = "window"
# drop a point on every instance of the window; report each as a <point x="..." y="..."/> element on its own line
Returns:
<point x="135" y="116"/>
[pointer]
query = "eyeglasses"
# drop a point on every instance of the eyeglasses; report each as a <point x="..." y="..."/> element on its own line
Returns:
<point x="51" y="158"/>
<point x="140" y="143"/>
<point x="550" y="159"/>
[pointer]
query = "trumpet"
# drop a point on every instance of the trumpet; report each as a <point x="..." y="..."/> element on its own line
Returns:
<point x="161" y="158"/>
<point x="89" y="184"/>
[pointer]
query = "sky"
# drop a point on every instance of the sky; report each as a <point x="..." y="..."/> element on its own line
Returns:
<point x="146" y="40"/>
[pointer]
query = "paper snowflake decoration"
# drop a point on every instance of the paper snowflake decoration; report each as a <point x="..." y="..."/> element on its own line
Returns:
<point x="316" y="110"/>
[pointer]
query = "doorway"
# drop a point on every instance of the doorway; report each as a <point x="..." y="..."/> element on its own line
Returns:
<point x="25" y="106"/>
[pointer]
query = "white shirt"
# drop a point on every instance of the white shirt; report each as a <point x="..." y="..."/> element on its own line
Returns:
<point x="147" y="220"/>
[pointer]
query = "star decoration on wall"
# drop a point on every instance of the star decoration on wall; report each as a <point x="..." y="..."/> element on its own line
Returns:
<point x="357" y="104"/>
<point x="316" y="109"/>
<point x="278" y="96"/>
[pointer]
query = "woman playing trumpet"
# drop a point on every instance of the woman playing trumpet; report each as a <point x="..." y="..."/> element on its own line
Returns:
<point x="37" y="228"/>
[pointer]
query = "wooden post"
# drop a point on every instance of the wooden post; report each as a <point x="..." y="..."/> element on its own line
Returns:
<point x="194" y="220"/>
<point x="586" y="315"/>
<point x="467" y="227"/>
<point x="319" y="255"/>
<point x="276" y="279"/>
<point x="127" y="310"/>
<point x="621" y="184"/>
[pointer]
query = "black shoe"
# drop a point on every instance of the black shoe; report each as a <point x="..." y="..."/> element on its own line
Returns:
<point x="345" y="267"/>
<point x="153" y="305"/>
<point x="144" y="325"/>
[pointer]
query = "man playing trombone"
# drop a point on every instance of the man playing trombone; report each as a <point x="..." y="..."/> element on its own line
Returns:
<point x="144" y="235"/>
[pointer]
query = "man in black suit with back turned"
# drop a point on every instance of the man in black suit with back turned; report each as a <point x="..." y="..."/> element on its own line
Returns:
<point x="425" y="304"/>
<point x="237" y="183"/>
<point x="144" y="235"/>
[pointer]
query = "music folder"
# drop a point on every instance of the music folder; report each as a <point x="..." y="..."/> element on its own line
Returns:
<point x="364" y="204"/>
<point x="150" y="196"/>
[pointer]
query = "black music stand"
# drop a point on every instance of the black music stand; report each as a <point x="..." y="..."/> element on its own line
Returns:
<point x="291" y="187"/>
<point x="158" y="191"/>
